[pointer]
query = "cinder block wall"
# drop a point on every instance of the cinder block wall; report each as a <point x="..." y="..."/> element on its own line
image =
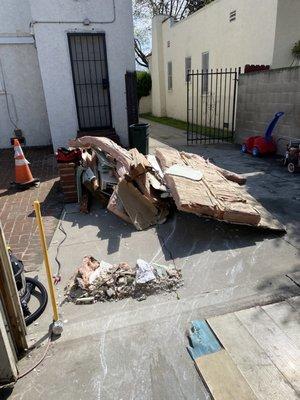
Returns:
<point x="260" y="96"/>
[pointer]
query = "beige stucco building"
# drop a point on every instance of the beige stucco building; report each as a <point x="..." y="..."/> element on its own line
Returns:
<point x="223" y="34"/>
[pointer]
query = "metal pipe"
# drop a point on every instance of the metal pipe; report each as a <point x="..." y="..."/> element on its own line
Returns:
<point x="32" y="23"/>
<point x="40" y="224"/>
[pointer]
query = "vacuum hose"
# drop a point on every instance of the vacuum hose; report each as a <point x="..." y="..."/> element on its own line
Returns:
<point x="26" y="287"/>
<point x="31" y="285"/>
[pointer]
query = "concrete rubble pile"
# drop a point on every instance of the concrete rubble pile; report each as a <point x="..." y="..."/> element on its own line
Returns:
<point x="100" y="281"/>
<point x="144" y="189"/>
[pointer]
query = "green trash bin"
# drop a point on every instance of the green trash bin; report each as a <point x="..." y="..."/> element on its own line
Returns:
<point x="139" y="137"/>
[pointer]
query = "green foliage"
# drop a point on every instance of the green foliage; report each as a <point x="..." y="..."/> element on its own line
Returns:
<point x="296" y="50"/>
<point x="144" y="84"/>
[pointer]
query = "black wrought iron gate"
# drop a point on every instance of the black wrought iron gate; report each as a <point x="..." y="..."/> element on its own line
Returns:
<point x="211" y="105"/>
<point x="90" y="77"/>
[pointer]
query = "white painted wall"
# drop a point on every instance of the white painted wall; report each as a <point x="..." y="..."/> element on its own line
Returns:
<point x="247" y="40"/>
<point x="25" y="95"/>
<point x="157" y="67"/>
<point x="22" y="77"/>
<point x="54" y="58"/>
<point x="15" y="16"/>
<point x="287" y="32"/>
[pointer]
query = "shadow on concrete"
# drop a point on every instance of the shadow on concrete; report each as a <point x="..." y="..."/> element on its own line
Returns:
<point x="182" y="235"/>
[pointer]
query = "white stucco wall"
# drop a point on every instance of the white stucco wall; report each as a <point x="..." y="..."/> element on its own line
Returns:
<point x="18" y="56"/>
<point x="157" y="67"/>
<point x="54" y="58"/>
<point x="25" y="95"/>
<point x="247" y="40"/>
<point x="287" y="32"/>
<point x="15" y="16"/>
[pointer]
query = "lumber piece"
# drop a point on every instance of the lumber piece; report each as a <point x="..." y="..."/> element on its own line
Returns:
<point x="139" y="165"/>
<point x="140" y="209"/>
<point x="10" y="300"/>
<point x="108" y="146"/>
<point x="263" y="377"/>
<point x="144" y="184"/>
<point x="287" y="318"/>
<point x="283" y="352"/>
<point x="223" y="378"/>
<point x="231" y="176"/>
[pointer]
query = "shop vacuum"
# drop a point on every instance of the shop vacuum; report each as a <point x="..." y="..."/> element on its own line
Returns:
<point x="28" y="287"/>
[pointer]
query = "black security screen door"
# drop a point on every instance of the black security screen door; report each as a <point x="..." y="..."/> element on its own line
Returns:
<point x="90" y="77"/>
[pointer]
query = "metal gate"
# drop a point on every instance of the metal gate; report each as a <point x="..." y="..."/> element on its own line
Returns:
<point x="211" y="105"/>
<point x="90" y="77"/>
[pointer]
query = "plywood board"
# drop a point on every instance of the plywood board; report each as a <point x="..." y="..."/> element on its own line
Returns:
<point x="278" y="346"/>
<point x="222" y="377"/>
<point x="255" y="365"/>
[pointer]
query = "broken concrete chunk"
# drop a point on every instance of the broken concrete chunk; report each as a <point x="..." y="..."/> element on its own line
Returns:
<point x="116" y="282"/>
<point x="110" y="292"/>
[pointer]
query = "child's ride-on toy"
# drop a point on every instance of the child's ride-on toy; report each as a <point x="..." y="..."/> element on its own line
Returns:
<point x="260" y="145"/>
<point x="292" y="156"/>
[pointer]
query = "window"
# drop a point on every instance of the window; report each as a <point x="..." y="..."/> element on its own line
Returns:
<point x="170" y="77"/>
<point x="168" y="43"/>
<point x="205" y="68"/>
<point x="232" y="16"/>
<point x="188" y="67"/>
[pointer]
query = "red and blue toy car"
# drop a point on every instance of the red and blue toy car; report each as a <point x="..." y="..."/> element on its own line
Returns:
<point x="261" y="145"/>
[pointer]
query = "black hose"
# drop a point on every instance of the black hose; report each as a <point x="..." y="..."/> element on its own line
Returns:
<point x="31" y="285"/>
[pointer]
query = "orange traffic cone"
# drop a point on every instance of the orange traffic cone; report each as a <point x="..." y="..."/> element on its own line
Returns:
<point x="23" y="174"/>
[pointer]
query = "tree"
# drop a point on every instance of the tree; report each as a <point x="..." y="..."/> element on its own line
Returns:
<point x="144" y="10"/>
<point x="144" y="84"/>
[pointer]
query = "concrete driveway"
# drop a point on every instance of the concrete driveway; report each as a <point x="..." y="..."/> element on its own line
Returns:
<point x="136" y="350"/>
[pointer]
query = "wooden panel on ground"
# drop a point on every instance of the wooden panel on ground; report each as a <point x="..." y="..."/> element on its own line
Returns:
<point x="287" y="318"/>
<point x="222" y="377"/>
<point x="261" y="374"/>
<point x="278" y="346"/>
<point x="10" y="299"/>
<point x="8" y="368"/>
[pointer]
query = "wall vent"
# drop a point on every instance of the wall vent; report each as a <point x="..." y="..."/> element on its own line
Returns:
<point x="232" y="16"/>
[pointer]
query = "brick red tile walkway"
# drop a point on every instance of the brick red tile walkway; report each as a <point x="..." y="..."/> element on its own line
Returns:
<point x="16" y="208"/>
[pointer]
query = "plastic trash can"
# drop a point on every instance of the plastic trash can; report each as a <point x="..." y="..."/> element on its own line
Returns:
<point x="139" y="137"/>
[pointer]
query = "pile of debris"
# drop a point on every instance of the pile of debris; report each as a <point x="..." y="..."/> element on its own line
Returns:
<point x="100" y="281"/>
<point x="142" y="189"/>
<point x="124" y="181"/>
